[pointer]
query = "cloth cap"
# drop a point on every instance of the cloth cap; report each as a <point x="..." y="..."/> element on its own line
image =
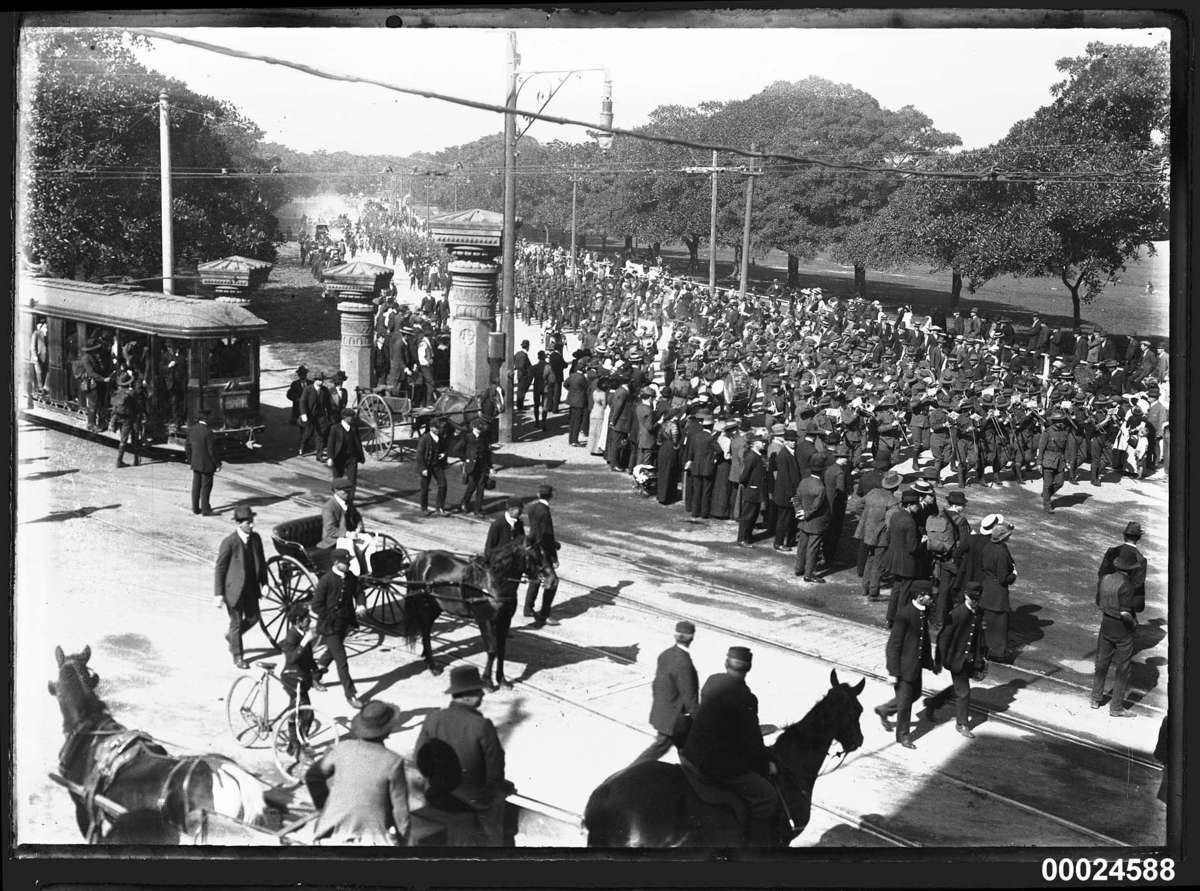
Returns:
<point x="341" y="484"/>
<point x="739" y="655"/>
<point x="1133" y="529"/>
<point x="347" y="412"/>
<point x="892" y="480"/>
<point x="341" y="555"/>
<point x="910" y="497"/>
<point x="957" y="498"/>
<point x="464" y="679"/>
<point x="301" y="371"/>
<point x="974" y="589"/>
<point x="375" y="720"/>
<point x="242" y="512"/>
<point x="1002" y="531"/>
<point x="685" y="627"/>
<point x="545" y="491"/>
<point x="819" y="461"/>
<point x="790" y="436"/>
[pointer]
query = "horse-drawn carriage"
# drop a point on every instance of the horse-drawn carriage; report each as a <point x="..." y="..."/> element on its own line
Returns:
<point x="384" y="414"/>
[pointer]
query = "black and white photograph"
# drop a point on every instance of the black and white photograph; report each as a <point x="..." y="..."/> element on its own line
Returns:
<point x="741" y="436"/>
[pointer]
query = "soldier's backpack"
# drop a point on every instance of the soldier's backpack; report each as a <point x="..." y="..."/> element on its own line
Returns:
<point x="940" y="535"/>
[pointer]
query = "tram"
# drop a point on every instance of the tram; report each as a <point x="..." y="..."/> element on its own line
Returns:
<point x="187" y="354"/>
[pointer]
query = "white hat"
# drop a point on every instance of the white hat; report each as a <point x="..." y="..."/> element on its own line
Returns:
<point x="990" y="521"/>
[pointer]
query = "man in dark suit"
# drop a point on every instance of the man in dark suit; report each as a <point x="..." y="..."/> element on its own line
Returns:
<point x="577" y="403"/>
<point x="309" y="410"/>
<point x="753" y="480"/>
<point x="725" y="744"/>
<point x="334" y="602"/>
<point x="900" y="558"/>
<point x="344" y="451"/>
<point x="524" y="371"/>
<point x="241" y="572"/>
<point x="1132" y="535"/>
<point x="477" y="464"/>
<point x="470" y="742"/>
<point x="554" y="383"/>
<point x="202" y="456"/>
<point x="962" y="649"/>
<point x="541" y="536"/>
<point x="785" y="479"/>
<point x="676" y="695"/>
<point x="700" y="462"/>
<point x="431" y="463"/>
<point x="339" y="516"/>
<point x="908" y="652"/>
<point x="645" y="432"/>
<point x="505" y="528"/>
<point x="813" y="518"/>
<point x="620" y="421"/>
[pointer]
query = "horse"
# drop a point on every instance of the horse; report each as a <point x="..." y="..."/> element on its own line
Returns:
<point x="482" y="588"/>
<point x="653" y="803"/>
<point x="126" y="788"/>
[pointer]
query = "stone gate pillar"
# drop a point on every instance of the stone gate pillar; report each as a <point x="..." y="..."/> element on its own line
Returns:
<point x="356" y="284"/>
<point x="473" y="239"/>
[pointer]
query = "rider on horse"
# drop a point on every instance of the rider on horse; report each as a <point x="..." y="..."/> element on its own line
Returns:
<point x="725" y="745"/>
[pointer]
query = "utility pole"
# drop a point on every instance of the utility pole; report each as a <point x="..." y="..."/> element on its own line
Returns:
<point x="508" y="238"/>
<point x="574" y="186"/>
<point x="164" y="152"/>
<point x="750" y="174"/>
<point x="712" y="232"/>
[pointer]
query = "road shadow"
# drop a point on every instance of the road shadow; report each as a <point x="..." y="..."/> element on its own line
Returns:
<point x="1149" y="634"/>
<point x="1024" y="627"/>
<point x="1144" y="677"/>
<point x="32" y="460"/>
<point x="605" y="595"/>
<point x="257" y="501"/>
<point x="48" y="474"/>
<point x="504" y="461"/>
<point x="538" y="652"/>
<point x="1075" y="498"/>
<point x="79" y="513"/>
<point x="1000" y="698"/>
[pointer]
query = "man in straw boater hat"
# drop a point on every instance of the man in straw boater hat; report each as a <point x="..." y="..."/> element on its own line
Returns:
<point x="360" y="785"/>
<point x="241" y="572"/>
<point x="459" y="753"/>
<point x="675" y="695"/>
<point x="725" y="744"/>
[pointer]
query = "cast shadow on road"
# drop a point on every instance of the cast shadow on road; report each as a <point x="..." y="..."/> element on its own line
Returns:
<point x="1000" y="698"/>
<point x="78" y="513"/>
<point x="1024" y="627"/>
<point x="1149" y="634"/>
<point x="1076" y="498"/>
<point x="538" y="652"/>
<point x="605" y="595"/>
<point x="257" y="501"/>
<point x="48" y="474"/>
<point x="32" y="460"/>
<point x="509" y="462"/>
<point x="1143" y="677"/>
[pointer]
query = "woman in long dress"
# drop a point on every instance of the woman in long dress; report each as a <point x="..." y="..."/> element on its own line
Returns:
<point x="598" y="419"/>
<point x="668" y="459"/>
<point x="719" y="507"/>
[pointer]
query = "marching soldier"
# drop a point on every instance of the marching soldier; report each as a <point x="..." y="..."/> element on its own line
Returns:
<point x="966" y="435"/>
<point x="887" y="428"/>
<point x="940" y="447"/>
<point x="1055" y="453"/>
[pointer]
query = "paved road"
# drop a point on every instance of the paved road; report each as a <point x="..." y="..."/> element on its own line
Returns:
<point x="116" y="559"/>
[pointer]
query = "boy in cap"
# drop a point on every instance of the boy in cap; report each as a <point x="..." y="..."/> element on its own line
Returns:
<point x="240" y="574"/>
<point x="675" y="695"/>
<point x="725" y="744"/>
<point x="458" y="736"/>
<point x="333" y="606"/>
<point x="360" y="786"/>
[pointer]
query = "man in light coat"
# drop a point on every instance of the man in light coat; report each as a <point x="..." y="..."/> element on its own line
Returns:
<point x="872" y="530"/>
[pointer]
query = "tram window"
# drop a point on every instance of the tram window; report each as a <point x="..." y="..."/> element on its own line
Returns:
<point x="230" y="357"/>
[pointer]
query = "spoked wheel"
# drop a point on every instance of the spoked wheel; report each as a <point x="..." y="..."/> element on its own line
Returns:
<point x="384" y="601"/>
<point x="244" y="710"/>
<point x="288" y="581"/>
<point x="302" y="736"/>
<point x="375" y="426"/>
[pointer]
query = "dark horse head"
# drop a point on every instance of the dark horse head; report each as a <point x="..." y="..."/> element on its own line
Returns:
<point x="75" y="690"/>
<point x="802" y="748"/>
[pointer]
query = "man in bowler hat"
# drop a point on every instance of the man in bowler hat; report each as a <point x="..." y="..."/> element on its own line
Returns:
<point x="201" y="452"/>
<point x="1118" y="624"/>
<point x="240" y="574"/>
<point x="676" y="695"/>
<point x="459" y="752"/>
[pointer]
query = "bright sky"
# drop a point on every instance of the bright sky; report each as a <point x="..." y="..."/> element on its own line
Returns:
<point x="973" y="82"/>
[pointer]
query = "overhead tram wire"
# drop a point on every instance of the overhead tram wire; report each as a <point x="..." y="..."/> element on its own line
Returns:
<point x="556" y="119"/>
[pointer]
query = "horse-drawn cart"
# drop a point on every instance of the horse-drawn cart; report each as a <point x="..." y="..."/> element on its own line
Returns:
<point x="386" y="416"/>
<point x="292" y="575"/>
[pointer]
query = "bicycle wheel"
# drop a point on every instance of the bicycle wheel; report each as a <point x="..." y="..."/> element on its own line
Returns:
<point x="244" y="710"/>
<point x="302" y="736"/>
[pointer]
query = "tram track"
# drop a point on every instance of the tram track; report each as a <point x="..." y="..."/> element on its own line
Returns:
<point x="627" y="603"/>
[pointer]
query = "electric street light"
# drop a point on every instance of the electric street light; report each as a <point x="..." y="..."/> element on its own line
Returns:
<point x="508" y="238"/>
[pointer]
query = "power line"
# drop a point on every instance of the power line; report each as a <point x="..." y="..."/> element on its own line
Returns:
<point x="554" y="119"/>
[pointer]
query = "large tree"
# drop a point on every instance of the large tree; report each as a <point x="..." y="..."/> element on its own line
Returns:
<point x="90" y="163"/>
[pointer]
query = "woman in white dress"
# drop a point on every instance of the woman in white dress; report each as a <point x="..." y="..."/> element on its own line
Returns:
<point x="598" y="419"/>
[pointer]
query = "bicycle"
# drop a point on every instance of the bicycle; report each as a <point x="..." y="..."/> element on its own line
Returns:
<point x="299" y="734"/>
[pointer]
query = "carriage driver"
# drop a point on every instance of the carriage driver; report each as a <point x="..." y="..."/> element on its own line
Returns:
<point x="725" y="745"/>
<point x="342" y="527"/>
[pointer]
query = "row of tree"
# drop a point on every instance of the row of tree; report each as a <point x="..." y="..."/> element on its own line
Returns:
<point x="91" y="160"/>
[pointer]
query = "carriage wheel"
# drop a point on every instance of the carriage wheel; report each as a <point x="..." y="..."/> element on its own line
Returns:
<point x="391" y="544"/>
<point x="244" y="711"/>
<point x="375" y="424"/>
<point x="314" y="734"/>
<point x="384" y="602"/>
<point x="288" y="580"/>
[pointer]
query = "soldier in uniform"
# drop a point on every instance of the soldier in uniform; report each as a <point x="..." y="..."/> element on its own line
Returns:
<point x="966" y="446"/>
<point x="939" y="434"/>
<point x="887" y="428"/>
<point x="1055" y="454"/>
<point x="1097" y="434"/>
<point x="918" y="407"/>
<point x="128" y="410"/>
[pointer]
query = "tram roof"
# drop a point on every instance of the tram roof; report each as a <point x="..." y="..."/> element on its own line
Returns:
<point x="147" y="312"/>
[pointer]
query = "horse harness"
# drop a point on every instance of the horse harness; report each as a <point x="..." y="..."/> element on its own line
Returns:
<point x="117" y="749"/>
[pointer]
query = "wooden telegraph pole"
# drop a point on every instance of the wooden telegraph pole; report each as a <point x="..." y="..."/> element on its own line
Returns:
<point x="750" y="174"/>
<point x="164" y="153"/>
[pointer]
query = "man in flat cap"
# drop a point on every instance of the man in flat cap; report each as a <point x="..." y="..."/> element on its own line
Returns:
<point x="675" y="695"/>
<point x="962" y="650"/>
<point x="333" y="605"/>
<point x="908" y="652"/>
<point x="725" y="744"/>
<point x="900" y="558"/>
